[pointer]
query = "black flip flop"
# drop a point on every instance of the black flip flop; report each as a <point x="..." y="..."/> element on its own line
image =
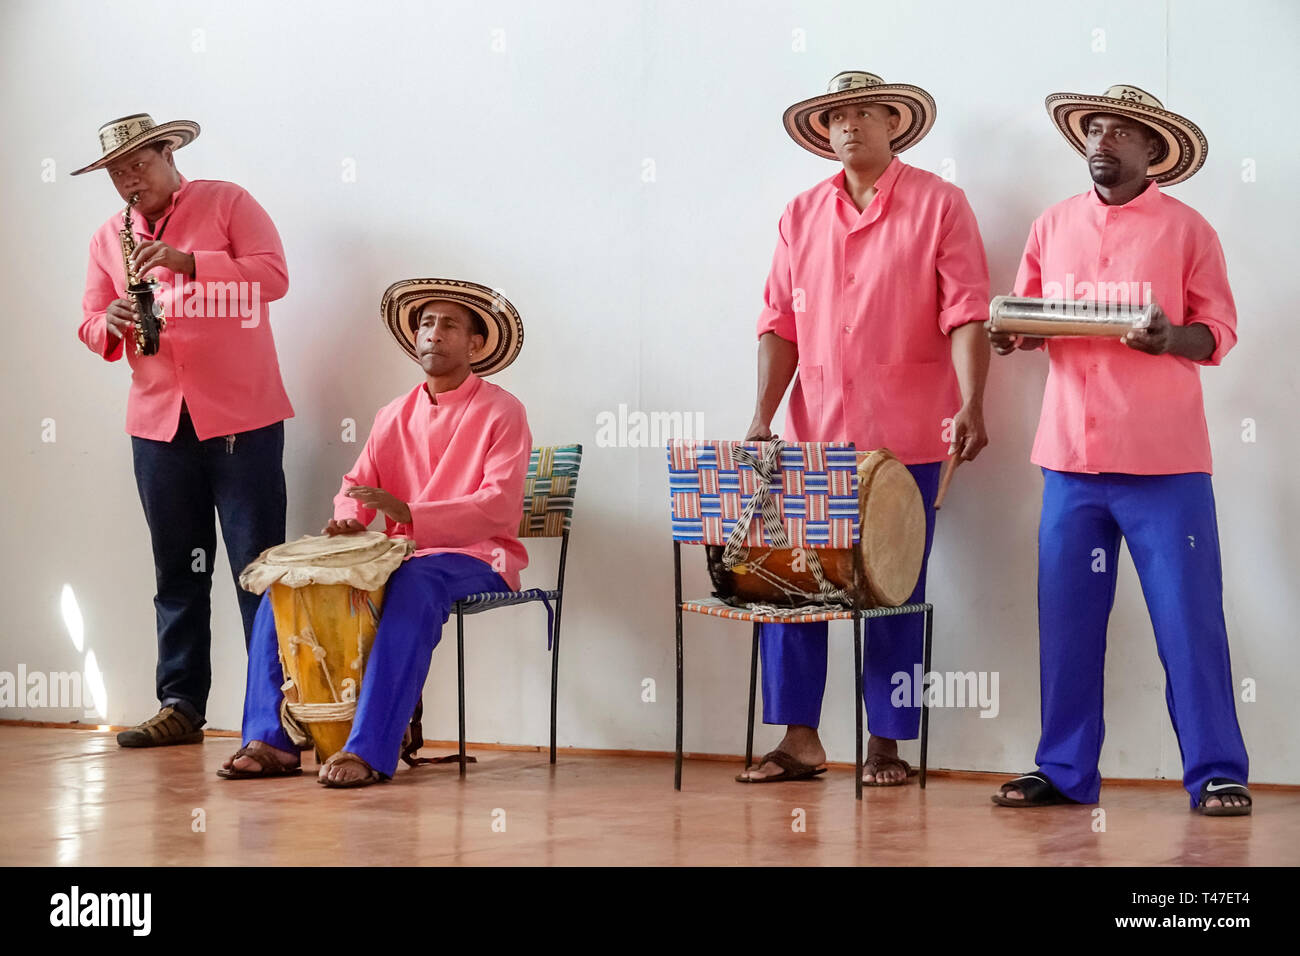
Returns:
<point x="791" y="769"/>
<point x="1223" y="787"/>
<point x="1037" y="789"/>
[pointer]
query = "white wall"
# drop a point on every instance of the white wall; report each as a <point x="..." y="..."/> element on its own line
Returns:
<point x="524" y="169"/>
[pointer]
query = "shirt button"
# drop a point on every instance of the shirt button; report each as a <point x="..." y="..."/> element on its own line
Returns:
<point x="1105" y="261"/>
<point x="1092" y="422"/>
<point x="850" y="276"/>
<point x="847" y="329"/>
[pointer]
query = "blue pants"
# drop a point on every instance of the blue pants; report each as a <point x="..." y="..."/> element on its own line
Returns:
<point x="1172" y="533"/>
<point x="181" y="483"/>
<point x="417" y="602"/>
<point x="794" y="655"/>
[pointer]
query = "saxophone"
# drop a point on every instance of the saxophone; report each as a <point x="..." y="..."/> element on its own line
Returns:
<point x="149" y="318"/>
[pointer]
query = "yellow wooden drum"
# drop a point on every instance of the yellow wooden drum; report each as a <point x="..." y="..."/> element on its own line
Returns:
<point x="327" y="594"/>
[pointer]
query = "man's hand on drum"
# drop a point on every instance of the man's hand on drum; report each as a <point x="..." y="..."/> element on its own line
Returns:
<point x="968" y="434"/>
<point x="380" y="500"/>
<point x="120" y="317"/>
<point x="346" y="526"/>
<point x="759" y="431"/>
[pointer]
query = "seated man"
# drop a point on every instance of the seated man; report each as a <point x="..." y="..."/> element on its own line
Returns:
<point x="445" y="463"/>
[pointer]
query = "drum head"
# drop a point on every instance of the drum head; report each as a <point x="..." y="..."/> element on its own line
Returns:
<point x="893" y="528"/>
<point x="324" y="551"/>
<point x="363" y="560"/>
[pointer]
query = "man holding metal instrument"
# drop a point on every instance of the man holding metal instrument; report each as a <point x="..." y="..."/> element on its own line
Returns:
<point x="1125" y="451"/>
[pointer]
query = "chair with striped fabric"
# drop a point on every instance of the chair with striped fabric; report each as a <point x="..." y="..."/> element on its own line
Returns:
<point x="773" y="495"/>
<point x="548" y="513"/>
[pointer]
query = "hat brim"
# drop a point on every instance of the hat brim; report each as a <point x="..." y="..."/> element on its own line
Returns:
<point x="177" y="133"/>
<point x="1186" y="146"/>
<point x="402" y="301"/>
<point x="916" y="112"/>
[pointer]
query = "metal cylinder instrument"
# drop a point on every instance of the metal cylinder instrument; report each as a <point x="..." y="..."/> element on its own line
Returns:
<point x="1060" y="318"/>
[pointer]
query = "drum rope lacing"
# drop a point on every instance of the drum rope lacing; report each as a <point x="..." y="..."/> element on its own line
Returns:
<point x="340" y="709"/>
<point x="768" y="470"/>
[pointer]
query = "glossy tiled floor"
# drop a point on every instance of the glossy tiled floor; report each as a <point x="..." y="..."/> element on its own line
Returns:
<point x="73" y="797"/>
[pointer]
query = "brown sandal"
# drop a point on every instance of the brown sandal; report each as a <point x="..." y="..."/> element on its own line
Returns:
<point x="342" y="756"/>
<point x="875" y="763"/>
<point x="271" y="767"/>
<point x="791" y="769"/>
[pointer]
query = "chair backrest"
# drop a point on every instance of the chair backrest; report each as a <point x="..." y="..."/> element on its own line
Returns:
<point x="549" y="489"/>
<point x="814" y="484"/>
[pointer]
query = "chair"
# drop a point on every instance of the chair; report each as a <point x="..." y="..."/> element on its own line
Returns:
<point x="779" y="495"/>
<point x="548" y="513"/>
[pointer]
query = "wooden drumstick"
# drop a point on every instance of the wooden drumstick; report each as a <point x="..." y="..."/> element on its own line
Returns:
<point x="949" y="469"/>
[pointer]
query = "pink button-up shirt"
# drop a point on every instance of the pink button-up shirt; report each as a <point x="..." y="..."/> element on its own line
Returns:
<point x="869" y="298"/>
<point x="217" y="352"/>
<point x="459" y="464"/>
<point x="1109" y="408"/>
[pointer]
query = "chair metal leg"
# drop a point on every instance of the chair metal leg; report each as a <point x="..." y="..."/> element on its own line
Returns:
<point x="460" y="681"/>
<point x="677" y="575"/>
<point x="555" y="646"/>
<point x="857" y="701"/>
<point x="753" y="689"/>
<point x="555" y="672"/>
<point x="676" y="771"/>
<point x="925" y="705"/>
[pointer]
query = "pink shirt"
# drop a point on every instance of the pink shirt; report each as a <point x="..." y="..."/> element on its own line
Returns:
<point x="1109" y="408"/>
<point x="217" y="352"/>
<point x="869" y="298"/>
<point x="458" y="464"/>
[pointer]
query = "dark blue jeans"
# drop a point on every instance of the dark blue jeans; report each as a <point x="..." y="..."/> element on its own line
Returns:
<point x="181" y="482"/>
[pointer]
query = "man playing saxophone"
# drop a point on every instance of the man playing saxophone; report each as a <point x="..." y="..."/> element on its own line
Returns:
<point x="207" y="405"/>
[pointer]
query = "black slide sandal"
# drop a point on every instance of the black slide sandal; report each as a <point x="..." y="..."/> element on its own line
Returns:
<point x="1037" y="789"/>
<point x="1223" y="787"/>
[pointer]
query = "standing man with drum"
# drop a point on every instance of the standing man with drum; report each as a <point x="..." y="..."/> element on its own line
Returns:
<point x="206" y="409"/>
<point x="876" y="294"/>
<point x="1125" y="451"/>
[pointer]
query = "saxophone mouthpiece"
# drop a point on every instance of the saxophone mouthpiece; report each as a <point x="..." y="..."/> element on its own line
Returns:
<point x="135" y="198"/>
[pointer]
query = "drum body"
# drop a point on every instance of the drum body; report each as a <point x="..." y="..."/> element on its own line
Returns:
<point x="891" y="544"/>
<point x="326" y="594"/>
<point x="325" y="633"/>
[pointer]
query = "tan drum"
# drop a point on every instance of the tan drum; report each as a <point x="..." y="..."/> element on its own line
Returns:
<point x="891" y="541"/>
<point x="327" y="594"/>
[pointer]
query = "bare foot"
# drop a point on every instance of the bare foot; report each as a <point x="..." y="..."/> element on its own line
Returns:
<point x="801" y="743"/>
<point x="889" y="774"/>
<point x="247" y="764"/>
<point x="1228" y="800"/>
<point x="344" y="768"/>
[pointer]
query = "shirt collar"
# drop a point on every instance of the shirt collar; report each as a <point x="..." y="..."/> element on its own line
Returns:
<point x="458" y="395"/>
<point x="1143" y="199"/>
<point x="884" y="187"/>
<point x="143" y="226"/>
